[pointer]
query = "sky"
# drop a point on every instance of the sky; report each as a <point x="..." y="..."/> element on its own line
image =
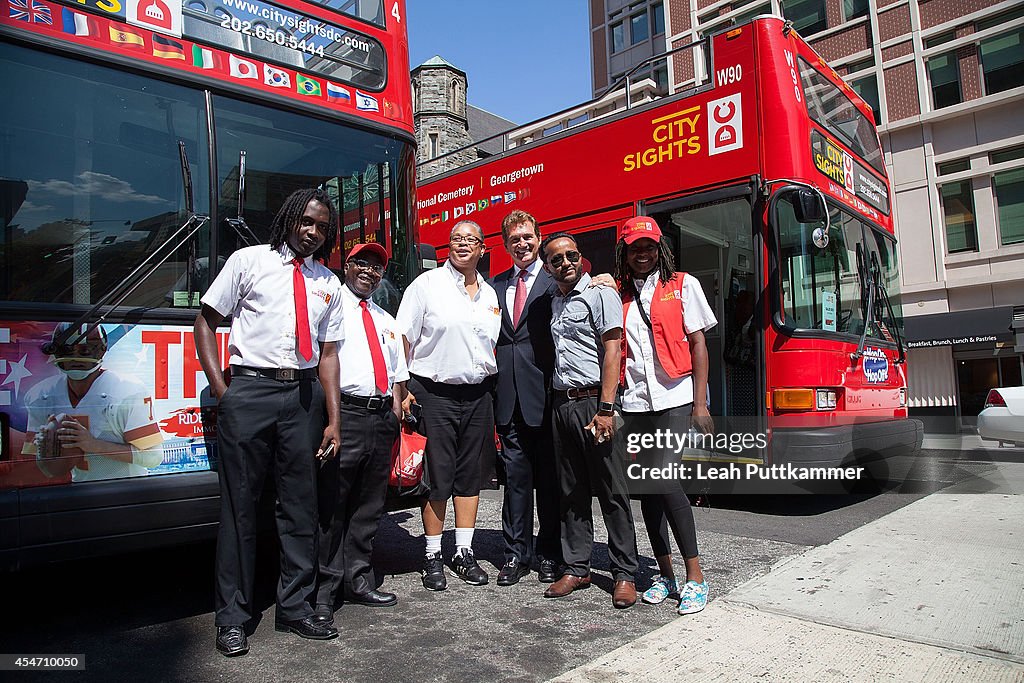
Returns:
<point x="524" y="59"/>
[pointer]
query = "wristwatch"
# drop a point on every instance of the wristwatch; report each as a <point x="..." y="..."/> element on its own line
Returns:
<point x="605" y="408"/>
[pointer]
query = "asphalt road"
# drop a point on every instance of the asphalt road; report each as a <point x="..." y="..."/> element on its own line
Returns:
<point x="147" y="616"/>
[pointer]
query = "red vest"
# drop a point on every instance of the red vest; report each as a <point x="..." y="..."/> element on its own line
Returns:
<point x="670" y="344"/>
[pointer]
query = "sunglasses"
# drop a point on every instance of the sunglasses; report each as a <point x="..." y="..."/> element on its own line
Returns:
<point x="374" y="268"/>
<point x="557" y="260"/>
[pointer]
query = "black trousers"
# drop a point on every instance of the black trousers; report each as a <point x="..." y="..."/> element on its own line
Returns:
<point x="265" y="424"/>
<point x="584" y="466"/>
<point x="670" y="506"/>
<point x="353" y="485"/>
<point x="529" y="461"/>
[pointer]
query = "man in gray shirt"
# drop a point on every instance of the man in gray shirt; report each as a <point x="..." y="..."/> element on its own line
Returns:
<point x="587" y="327"/>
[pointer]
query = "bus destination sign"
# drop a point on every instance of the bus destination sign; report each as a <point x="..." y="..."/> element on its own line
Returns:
<point x="849" y="175"/>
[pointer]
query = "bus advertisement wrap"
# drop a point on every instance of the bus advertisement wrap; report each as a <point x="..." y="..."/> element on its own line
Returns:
<point x="145" y="391"/>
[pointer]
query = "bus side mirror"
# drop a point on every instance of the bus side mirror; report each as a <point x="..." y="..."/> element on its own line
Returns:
<point x="427" y="256"/>
<point x="809" y="206"/>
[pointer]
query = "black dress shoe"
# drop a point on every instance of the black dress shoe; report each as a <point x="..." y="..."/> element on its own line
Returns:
<point x="374" y="598"/>
<point x="310" y="627"/>
<point x="512" y="572"/>
<point x="231" y="641"/>
<point x="548" y="571"/>
<point x="323" y="615"/>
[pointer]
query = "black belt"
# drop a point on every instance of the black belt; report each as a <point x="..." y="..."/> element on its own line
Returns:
<point x="280" y="374"/>
<point x="368" y="402"/>
<point x="575" y="394"/>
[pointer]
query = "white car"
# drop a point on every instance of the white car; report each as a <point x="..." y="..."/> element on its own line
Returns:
<point x="1003" y="417"/>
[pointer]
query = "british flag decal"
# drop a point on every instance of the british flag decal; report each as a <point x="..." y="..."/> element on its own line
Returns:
<point x="30" y="11"/>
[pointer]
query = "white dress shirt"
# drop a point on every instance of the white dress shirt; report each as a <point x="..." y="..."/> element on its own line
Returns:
<point x="532" y="271"/>
<point x="648" y="387"/>
<point x="357" y="376"/>
<point x="451" y="334"/>
<point x="255" y="289"/>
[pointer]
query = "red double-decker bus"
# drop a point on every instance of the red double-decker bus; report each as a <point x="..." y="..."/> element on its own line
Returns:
<point x="142" y="142"/>
<point x="769" y="179"/>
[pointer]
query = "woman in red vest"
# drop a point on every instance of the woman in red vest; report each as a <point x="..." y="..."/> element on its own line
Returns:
<point x="664" y="384"/>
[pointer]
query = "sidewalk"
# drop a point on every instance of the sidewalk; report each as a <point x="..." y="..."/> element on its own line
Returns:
<point x="965" y="442"/>
<point x="931" y="592"/>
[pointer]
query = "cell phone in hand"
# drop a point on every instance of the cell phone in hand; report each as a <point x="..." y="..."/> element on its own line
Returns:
<point x="326" y="454"/>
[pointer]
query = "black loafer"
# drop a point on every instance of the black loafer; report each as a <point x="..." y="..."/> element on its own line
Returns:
<point x="548" y="571"/>
<point x="231" y="641"/>
<point x="323" y="615"/>
<point x="310" y="627"/>
<point x="512" y="572"/>
<point x="375" y="598"/>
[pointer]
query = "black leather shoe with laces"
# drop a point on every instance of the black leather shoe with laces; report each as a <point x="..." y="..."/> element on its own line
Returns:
<point x="512" y="572"/>
<point x="464" y="564"/>
<point x="433" y="573"/>
<point x="310" y="627"/>
<point x="231" y="641"/>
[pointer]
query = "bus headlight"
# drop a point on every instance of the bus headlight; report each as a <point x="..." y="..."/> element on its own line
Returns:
<point x="826" y="399"/>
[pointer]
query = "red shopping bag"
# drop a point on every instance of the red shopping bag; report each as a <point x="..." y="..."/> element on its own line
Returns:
<point x="407" y="462"/>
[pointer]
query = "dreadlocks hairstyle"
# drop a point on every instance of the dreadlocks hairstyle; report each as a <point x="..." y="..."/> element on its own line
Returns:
<point x="666" y="266"/>
<point x="291" y="213"/>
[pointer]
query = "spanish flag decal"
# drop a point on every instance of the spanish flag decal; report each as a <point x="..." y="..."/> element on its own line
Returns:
<point x="126" y="38"/>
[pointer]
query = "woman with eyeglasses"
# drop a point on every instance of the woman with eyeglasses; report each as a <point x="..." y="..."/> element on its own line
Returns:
<point x="450" y="320"/>
<point x="664" y="386"/>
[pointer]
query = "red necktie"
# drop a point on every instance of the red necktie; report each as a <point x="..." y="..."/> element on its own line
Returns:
<point x="380" y="371"/>
<point x="520" y="301"/>
<point x="301" y="313"/>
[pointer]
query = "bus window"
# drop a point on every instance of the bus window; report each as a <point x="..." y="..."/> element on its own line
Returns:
<point x="834" y="112"/>
<point x="598" y="247"/>
<point x="883" y="253"/>
<point x="91" y="180"/>
<point x="820" y="287"/>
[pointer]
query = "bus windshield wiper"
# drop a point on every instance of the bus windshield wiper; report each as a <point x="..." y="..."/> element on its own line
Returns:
<point x="123" y="289"/>
<point x="891" y="314"/>
<point x="238" y="224"/>
<point x="867" y="281"/>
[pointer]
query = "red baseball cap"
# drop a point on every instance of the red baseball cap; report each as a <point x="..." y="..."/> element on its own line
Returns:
<point x="372" y="247"/>
<point x="640" y="226"/>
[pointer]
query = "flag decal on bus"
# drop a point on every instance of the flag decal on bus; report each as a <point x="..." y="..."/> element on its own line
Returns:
<point x="276" y="77"/>
<point x="242" y="68"/>
<point x="307" y="86"/>
<point x="205" y="59"/>
<point x="336" y="93"/>
<point x="30" y="11"/>
<point x="126" y="38"/>
<point x="79" y="25"/>
<point x="167" y="48"/>
<point x="366" y="102"/>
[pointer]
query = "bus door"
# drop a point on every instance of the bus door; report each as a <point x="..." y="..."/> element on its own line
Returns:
<point x="714" y="241"/>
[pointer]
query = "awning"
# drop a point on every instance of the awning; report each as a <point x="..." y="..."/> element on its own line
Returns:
<point x="981" y="325"/>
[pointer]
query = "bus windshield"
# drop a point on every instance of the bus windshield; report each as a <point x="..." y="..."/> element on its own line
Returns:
<point x="825" y="287"/>
<point x="834" y="112"/>
<point x="109" y="191"/>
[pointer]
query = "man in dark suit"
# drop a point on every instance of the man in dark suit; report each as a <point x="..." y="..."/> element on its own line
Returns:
<point x="526" y="358"/>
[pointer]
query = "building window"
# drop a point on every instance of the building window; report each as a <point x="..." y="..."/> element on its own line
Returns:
<point x="867" y="88"/>
<point x="958" y="213"/>
<point x="1002" y="61"/>
<point x="854" y="8"/>
<point x="941" y="38"/>
<point x="638" y="28"/>
<point x="433" y="145"/>
<point x="950" y="167"/>
<point x="618" y="37"/>
<point x="658" y="18"/>
<point x="808" y="16"/>
<point x="1009" y="188"/>
<point x="944" y="73"/>
<point x="454" y="96"/>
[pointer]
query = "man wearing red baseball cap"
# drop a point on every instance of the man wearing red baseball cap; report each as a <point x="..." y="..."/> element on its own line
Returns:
<point x="664" y="384"/>
<point x="353" y="484"/>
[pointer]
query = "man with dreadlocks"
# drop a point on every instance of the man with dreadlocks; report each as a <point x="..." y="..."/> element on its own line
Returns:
<point x="285" y="309"/>
<point x="665" y="380"/>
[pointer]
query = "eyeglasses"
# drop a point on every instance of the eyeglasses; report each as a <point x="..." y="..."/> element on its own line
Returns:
<point x="465" y="239"/>
<point x="374" y="268"/>
<point x="557" y="260"/>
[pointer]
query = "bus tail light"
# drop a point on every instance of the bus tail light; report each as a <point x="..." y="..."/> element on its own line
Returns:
<point x="793" y="399"/>
<point x="994" y="399"/>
